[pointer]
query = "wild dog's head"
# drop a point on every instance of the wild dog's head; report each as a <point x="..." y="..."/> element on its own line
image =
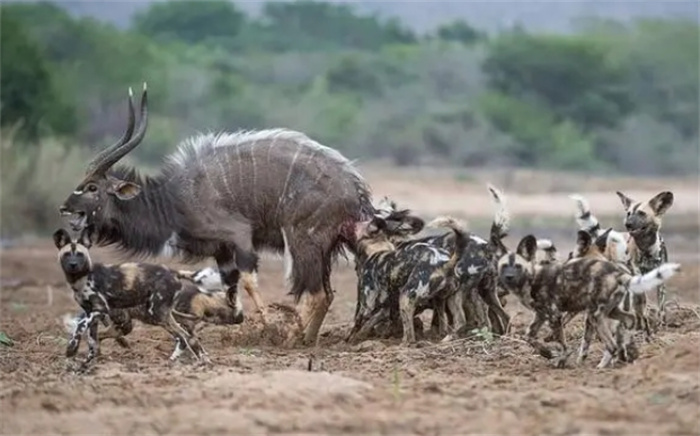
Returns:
<point x="377" y="234"/>
<point x="515" y="269"/>
<point x="399" y="223"/>
<point x="643" y="217"/>
<point x="73" y="253"/>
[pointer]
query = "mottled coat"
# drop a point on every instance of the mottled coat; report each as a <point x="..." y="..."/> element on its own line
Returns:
<point x="392" y="280"/>
<point x="144" y="291"/>
<point x="598" y="287"/>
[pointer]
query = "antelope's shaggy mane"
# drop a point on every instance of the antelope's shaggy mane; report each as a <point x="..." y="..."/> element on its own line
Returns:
<point x="200" y="145"/>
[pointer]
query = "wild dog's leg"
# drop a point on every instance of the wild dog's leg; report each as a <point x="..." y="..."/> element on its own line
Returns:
<point x="184" y="339"/>
<point x="531" y="336"/>
<point x="367" y="327"/>
<point x="494" y="303"/>
<point x="74" y="340"/>
<point x="440" y="313"/>
<point x="661" y="302"/>
<point x="568" y="316"/>
<point x="625" y="321"/>
<point x="406" y="309"/>
<point x="605" y="336"/>
<point x="92" y="325"/>
<point x="455" y="304"/>
<point x="558" y="331"/>
<point x="588" y="334"/>
<point x="639" y="303"/>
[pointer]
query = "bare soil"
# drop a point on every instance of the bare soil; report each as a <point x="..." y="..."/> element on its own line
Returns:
<point x="479" y="385"/>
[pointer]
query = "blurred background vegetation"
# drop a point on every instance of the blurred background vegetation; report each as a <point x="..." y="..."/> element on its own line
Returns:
<point x="606" y="96"/>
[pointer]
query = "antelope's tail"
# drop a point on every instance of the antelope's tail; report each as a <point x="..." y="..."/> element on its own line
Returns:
<point x="642" y="283"/>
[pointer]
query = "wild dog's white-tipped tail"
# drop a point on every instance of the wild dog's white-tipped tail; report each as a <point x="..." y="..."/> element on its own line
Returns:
<point x="70" y="322"/>
<point x="584" y="218"/>
<point x="501" y="219"/>
<point x="646" y="282"/>
<point x="545" y="245"/>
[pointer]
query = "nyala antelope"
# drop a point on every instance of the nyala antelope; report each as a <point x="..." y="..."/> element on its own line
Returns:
<point x="154" y="294"/>
<point x="596" y="287"/>
<point x="227" y="196"/>
<point x="642" y="246"/>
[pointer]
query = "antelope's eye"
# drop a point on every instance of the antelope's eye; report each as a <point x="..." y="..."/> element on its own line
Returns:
<point x="92" y="187"/>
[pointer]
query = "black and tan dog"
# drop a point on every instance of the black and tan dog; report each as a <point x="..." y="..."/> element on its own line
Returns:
<point x="596" y="287"/>
<point x="153" y="294"/>
<point x="642" y="246"/>
<point x="396" y="281"/>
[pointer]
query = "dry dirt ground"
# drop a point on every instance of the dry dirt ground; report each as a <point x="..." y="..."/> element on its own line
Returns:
<point x="478" y="385"/>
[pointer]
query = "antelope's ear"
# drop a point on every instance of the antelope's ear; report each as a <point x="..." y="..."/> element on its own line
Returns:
<point x="626" y="201"/>
<point x="86" y="236"/>
<point x="661" y="202"/>
<point x="123" y="190"/>
<point x="583" y="242"/>
<point x="61" y="238"/>
<point x="527" y="248"/>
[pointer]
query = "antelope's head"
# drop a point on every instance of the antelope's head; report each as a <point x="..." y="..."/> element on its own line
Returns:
<point x="98" y="190"/>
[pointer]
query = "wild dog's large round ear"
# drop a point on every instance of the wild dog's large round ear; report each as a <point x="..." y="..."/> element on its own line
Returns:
<point x="626" y="201"/>
<point x="661" y="202"/>
<point x="583" y="241"/>
<point x="527" y="248"/>
<point x="61" y="238"/>
<point x="602" y="241"/>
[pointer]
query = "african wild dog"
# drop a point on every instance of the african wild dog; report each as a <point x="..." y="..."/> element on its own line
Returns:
<point x="154" y="294"/>
<point x="647" y="248"/>
<point x="476" y="270"/>
<point x="206" y="303"/>
<point x="641" y="248"/>
<point x="595" y="286"/>
<point x="398" y="280"/>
